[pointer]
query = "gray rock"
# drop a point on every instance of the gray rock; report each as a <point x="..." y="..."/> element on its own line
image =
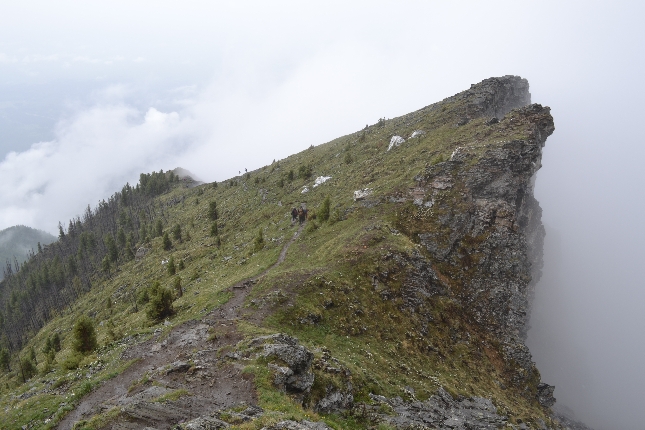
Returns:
<point x="294" y="425"/>
<point x="334" y="401"/>
<point x="296" y="376"/>
<point x="545" y="395"/>
<point x="203" y="423"/>
<point x="442" y="411"/>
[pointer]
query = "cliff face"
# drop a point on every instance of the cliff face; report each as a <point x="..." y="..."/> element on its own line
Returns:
<point x="403" y="302"/>
<point x="482" y="224"/>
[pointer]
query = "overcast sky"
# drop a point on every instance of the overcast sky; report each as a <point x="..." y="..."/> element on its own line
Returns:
<point x="94" y="93"/>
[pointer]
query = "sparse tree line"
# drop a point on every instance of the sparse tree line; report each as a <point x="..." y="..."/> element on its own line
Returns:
<point x="94" y="245"/>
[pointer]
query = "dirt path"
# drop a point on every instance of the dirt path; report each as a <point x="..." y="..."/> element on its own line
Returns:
<point x="186" y="359"/>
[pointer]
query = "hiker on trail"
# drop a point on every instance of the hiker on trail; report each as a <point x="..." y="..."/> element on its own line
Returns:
<point x="301" y="215"/>
<point x="294" y="215"/>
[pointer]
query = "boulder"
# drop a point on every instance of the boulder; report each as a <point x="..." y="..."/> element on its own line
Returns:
<point x="362" y="194"/>
<point x="395" y="141"/>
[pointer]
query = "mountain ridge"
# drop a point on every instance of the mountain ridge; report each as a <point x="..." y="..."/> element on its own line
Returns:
<point x="403" y="302"/>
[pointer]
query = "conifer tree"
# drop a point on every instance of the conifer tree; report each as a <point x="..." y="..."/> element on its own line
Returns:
<point x="259" y="241"/>
<point x="171" y="266"/>
<point x="176" y="232"/>
<point x="214" y="231"/>
<point x="177" y="286"/>
<point x="167" y="244"/>
<point x="56" y="342"/>
<point x="158" y="228"/>
<point x="212" y="210"/>
<point x="323" y="212"/>
<point x="84" y="335"/>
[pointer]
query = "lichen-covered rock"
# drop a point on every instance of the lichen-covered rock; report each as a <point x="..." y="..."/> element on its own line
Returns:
<point x="295" y="425"/>
<point x="203" y="423"/>
<point x="442" y="411"/>
<point x="295" y="376"/>
<point x="545" y="395"/>
<point x="335" y="400"/>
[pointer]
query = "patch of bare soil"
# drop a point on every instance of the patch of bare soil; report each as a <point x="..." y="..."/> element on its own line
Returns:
<point x="189" y="363"/>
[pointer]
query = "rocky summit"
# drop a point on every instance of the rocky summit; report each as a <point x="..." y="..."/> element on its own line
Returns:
<point x="381" y="280"/>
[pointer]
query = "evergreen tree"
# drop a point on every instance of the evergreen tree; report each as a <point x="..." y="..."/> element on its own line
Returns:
<point x="56" y="342"/>
<point x="259" y="241"/>
<point x="167" y="244"/>
<point x="176" y="232"/>
<point x="84" y="335"/>
<point x="323" y="212"/>
<point x="105" y="265"/>
<point x="158" y="228"/>
<point x="129" y="253"/>
<point x="112" y="250"/>
<point x="214" y="231"/>
<point x="212" y="211"/>
<point x="181" y="265"/>
<point x="171" y="266"/>
<point x="120" y="237"/>
<point x="177" y="286"/>
<point x="5" y="358"/>
<point x="160" y="304"/>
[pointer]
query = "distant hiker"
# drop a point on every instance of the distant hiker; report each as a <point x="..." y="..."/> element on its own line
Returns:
<point x="301" y="215"/>
<point x="294" y="214"/>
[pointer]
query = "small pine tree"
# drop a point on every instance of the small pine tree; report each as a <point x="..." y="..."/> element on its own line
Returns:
<point x="28" y="368"/>
<point x="160" y="304"/>
<point x="212" y="211"/>
<point x="180" y="265"/>
<point x="120" y="237"/>
<point x="56" y="342"/>
<point x="84" y="335"/>
<point x="171" y="266"/>
<point x="32" y="355"/>
<point x="5" y="358"/>
<point x="167" y="244"/>
<point x="158" y="228"/>
<point x="348" y="158"/>
<point x="281" y="183"/>
<point x="290" y="176"/>
<point x="214" y="184"/>
<point x="259" y="241"/>
<point x="48" y="345"/>
<point x="143" y="233"/>
<point x="214" y="231"/>
<point x="218" y="242"/>
<point x="323" y="212"/>
<point x="105" y="265"/>
<point x="112" y="250"/>
<point x="129" y="253"/>
<point x="176" y="232"/>
<point x="177" y="286"/>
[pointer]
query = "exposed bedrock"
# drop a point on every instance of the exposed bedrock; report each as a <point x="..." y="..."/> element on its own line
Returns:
<point x="481" y="225"/>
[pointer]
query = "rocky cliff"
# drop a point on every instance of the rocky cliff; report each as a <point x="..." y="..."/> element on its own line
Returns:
<point x="401" y="302"/>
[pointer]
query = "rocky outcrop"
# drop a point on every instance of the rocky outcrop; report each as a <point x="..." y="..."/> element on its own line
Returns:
<point x="295" y="425"/>
<point x="440" y="411"/>
<point x="477" y="220"/>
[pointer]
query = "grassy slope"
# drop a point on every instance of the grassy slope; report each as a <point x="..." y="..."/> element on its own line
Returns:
<point x="380" y="343"/>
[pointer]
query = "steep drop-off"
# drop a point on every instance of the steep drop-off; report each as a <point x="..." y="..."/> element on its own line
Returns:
<point x="402" y="302"/>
